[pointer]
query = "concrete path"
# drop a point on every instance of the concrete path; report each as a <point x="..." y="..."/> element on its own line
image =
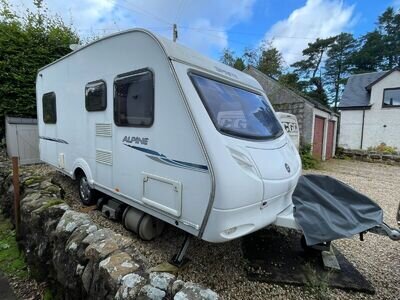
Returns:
<point x="5" y="289"/>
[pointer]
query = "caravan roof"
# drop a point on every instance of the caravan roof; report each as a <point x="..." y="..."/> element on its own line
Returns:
<point x="181" y="53"/>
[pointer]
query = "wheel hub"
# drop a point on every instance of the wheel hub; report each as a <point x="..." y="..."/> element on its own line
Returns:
<point x="84" y="189"/>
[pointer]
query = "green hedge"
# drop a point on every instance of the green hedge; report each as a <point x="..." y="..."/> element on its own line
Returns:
<point x="28" y="42"/>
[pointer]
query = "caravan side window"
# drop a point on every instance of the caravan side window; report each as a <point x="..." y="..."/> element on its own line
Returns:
<point x="134" y="99"/>
<point x="96" y="96"/>
<point x="49" y="108"/>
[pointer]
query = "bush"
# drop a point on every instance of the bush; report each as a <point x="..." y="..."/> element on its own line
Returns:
<point x="28" y="41"/>
<point x="307" y="160"/>
<point x="384" y="149"/>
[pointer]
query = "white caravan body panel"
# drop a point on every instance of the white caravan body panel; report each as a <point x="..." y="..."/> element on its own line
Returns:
<point x="180" y="169"/>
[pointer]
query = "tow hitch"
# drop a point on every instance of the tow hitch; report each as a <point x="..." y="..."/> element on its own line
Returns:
<point x="326" y="209"/>
<point x="386" y="230"/>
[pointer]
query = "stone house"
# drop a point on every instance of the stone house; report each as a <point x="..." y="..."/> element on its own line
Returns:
<point x="317" y="123"/>
<point x="370" y="110"/>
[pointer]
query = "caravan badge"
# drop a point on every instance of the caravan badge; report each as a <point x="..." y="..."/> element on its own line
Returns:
<point x="135" y="139"/>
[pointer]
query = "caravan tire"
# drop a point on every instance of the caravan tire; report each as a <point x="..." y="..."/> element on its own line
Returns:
<point x="87" y="195"/>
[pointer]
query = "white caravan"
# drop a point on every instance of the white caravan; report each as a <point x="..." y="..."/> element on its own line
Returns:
<point x="170" y="134"/>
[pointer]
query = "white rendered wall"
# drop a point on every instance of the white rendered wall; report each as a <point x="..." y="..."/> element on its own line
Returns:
<point x="375" y="131"/>
<point x="350" y="129"/>
<point x="381" y="125"/>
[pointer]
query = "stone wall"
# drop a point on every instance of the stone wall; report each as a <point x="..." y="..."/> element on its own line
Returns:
<point x="369" y="156"/>
<point x="79" y="259"/>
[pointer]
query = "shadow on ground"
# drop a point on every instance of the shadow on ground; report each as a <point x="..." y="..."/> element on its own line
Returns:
<point x="276" y="256"/>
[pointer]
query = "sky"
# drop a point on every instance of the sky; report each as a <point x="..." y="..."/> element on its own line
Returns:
<point x="209" y="26"/>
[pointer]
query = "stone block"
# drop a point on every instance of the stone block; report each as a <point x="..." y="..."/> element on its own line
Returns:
<point x="130" y="286"/>
<point x="191" y="291"/>
<point x="162" y="281"/>
<point x="149" y="292"/>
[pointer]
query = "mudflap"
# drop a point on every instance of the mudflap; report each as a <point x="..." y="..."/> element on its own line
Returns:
<point x="326" y="209"/>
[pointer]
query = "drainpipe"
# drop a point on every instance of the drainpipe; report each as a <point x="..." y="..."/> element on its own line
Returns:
<point x="362" y="129"/>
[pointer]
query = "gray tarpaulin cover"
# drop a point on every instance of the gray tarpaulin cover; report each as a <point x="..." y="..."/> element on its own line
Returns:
<point x="327" y="209"/>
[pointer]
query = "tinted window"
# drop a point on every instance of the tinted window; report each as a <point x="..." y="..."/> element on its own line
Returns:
<point x="236" y="111"/>
<point x="391" y="97"/>
<point x="49" y="108"/>
<point x="134" y="99"/>
<point x="96" y="96"/>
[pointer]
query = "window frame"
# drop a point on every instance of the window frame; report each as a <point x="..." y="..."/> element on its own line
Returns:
<point x="55" y="107"/>
<point x="383" y="98"/>
<point x="229" y="83"/>
<point x="105" y="95"/>
<point x="132" y="74"/>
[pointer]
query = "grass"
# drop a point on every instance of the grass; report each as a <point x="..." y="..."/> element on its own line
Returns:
<point x="384" y="149"/>
<point x="48" y="294"/>
<point x="12" y="261"/>
<point x="318" y="286"/>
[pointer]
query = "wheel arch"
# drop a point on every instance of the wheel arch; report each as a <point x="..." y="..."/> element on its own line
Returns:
<point x="81" y="166"/>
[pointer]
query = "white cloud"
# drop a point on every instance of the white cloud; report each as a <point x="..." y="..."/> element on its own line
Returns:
<point x="106" y="16"/>
<point x="317" y="18"/>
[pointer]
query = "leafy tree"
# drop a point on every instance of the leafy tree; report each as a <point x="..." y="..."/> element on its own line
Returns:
<point x="309" y="67"/>
<point x="292" y="81"/>
<point x="270" y="60"/>
<point x="228" y="57"/>
<point x="380" y="48"/>
<point x="239" y="64"/>
<point x="314" y="53"/>
<point x="389" y="27"/>
<point x="338" y="64"/>
<point x="369" y="57"/>
<point x="251" y="56"/>
<point x="265" y="58"/>
<point x="28" y="42"/>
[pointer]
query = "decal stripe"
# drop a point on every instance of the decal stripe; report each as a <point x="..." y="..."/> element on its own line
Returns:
<point x="191" y="164"/>
<point x="53" y="139"/>
<point x="161" y="158"/>
<point x="148" y="151"/>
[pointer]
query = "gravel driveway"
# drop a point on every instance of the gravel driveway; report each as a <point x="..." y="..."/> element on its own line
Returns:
<point x="221" y="267"/>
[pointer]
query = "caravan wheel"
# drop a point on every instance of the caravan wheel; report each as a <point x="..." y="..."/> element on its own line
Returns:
<point x="86" y="193"/>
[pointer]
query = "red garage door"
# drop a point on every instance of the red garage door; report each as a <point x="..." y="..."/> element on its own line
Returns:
<point x="329" y="141"/>
<point x="318" y="137"/>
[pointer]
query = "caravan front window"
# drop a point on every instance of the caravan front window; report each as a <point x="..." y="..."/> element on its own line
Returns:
<point x="236" y="111"/>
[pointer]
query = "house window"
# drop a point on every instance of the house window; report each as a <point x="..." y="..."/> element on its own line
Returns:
<point x="49" y="108"/>
<point x="391" y="97"/>
<point x="96" y="96"/>
<point x="134" y="99"/>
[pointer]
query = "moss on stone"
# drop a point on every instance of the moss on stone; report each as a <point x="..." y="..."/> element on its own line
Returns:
<point x="52" y="202"/>
<point x="52" y="189"/>
<point x="12" y="261"/>
<point x="32" y="180"/>
<point x="48" y="294"/>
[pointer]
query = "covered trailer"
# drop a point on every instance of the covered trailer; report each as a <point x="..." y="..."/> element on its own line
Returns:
<point x="170" y="135"/>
